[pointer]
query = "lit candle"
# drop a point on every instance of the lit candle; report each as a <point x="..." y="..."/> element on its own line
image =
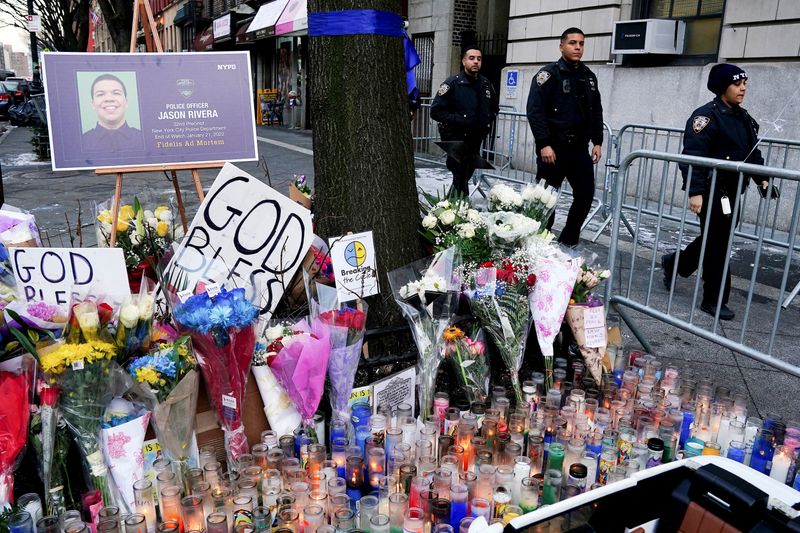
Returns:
<point x="339" y="455"/>
<point x="781" y="463"/>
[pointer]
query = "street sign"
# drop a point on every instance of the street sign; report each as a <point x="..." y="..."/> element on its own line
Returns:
<point x="512" y="77"/>
<point x="34" y="23"/>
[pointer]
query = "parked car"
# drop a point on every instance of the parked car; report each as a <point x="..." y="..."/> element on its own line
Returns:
<point x="13" y="88"/>
<point x="6" y="101"/>
<point x="6" y="74"/>
<point x="23" y="85"/>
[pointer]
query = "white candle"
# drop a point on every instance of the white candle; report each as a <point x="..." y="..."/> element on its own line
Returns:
<point x="781" y="463"/>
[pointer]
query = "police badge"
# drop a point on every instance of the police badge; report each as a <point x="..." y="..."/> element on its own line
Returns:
<point x="699" y="122"/>
<point x="185" y="87"/>
<point x="542" y="77"/>
<point x="443" y="88"/>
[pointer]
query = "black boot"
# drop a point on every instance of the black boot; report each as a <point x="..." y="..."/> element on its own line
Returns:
<point x="668" y="266"/>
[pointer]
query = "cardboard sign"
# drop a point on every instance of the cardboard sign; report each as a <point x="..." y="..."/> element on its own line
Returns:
<point x="245" y="234"/>
<point x="115" y="110"/>
<point x="53" y="274"/>
<point x="354" y="269"/>
<point x="394" y="390"/>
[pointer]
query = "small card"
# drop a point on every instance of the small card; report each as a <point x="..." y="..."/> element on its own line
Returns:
<point x="726" y="206"/>
<point x="595" y="337"/>
<point x="594" y="317"/>
<point x="77" y="365"/>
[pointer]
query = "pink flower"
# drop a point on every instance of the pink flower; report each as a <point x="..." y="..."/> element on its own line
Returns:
<point x="116" y="445"/>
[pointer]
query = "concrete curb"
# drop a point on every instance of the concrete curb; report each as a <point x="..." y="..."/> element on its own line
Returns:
<point x="6" y="133"/>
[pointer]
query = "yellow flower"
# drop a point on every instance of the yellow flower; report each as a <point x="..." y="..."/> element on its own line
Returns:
<point x="105" y="216"/>
<point x="122" y="226"/>
<point x="452" y="334"/>
<point x="162" y="228"/>
<point x="147" y="375"/>
<point x="160" y="209"/>
<point x="183" y="349"/>
<point x="126" y="212"/>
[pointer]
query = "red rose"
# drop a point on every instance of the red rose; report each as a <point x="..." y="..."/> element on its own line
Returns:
<point x="531" y="281"/>
<point x="487" y="264"/>
<point x="328" y="317"/>
<point x="358" y="320"/>
<point x="49" y="395"/>
<point x="105" y="312"/>
<point x="343" y="319"/>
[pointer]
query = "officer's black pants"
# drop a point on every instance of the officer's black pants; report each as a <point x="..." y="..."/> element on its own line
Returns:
<point x="462" y="171"/>
<point x="719" y="230"/>
<point x="574" y="163"/>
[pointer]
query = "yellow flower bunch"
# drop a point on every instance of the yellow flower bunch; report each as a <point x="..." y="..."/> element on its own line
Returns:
<point x="67" y="355"/>
<point x="148" y="375"/>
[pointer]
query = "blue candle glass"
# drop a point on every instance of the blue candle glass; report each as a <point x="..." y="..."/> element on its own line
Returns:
<point x="21" y="522"/>
<point x="736" y="451"/>
<point x="762" y="451"/>
<point x="686" y="427"/>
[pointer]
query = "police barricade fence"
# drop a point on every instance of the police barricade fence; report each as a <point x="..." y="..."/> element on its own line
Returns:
<point x="510" y="148"/>
<point x="778" y="153"/>
<point x="636" y="281"/>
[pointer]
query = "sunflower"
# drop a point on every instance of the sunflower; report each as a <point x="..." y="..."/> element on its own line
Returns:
<point x="453" y="334"/>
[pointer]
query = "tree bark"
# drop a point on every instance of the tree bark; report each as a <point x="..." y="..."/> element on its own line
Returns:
<point x="363" y="159"/>
<point x="118" y="16"/>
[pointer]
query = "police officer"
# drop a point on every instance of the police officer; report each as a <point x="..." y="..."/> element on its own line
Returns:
<point x="565" y="113"/>
<point x="466" y="106"/>
<point x="721" y="129"/>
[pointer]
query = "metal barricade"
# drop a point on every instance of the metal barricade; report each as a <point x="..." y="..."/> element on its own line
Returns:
<point x="510" y="148"/>
<point x="779" y="153"/>
<point x="633" y="262"/>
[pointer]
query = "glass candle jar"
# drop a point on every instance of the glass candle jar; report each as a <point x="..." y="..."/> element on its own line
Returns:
<point x="480" y="507"/>
<point x="380" y="523"/>
<point x="414" y="520"/>
<point x="398" y="503"/>
<point x="551" y="493"/>
<point x="313" y="518"/>
<point x="529" y="494"/>
<point x="171" y="504"/>
<point x="193" y="516"/>
<point x="135" y="523"/>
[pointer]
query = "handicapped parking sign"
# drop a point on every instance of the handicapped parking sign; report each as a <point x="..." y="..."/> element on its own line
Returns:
<point x="512" y="76"/>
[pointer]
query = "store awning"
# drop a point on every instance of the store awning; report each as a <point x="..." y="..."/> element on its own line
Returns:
<point x="242" y="37"/>
<point x="294" y="19"/>
<point x="204" y="41"/>
<point x="263" y="24"/>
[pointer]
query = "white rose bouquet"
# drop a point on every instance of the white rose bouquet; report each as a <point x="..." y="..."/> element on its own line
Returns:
<point x="453" y="222"/>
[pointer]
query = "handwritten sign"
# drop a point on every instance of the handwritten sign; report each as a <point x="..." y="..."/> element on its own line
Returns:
<point x="53" y="274"/>
<point x="394" y="390"/>
<point x="353" y="260"/>
<point x="360" y="395"/>
<point x="245" y="234"/>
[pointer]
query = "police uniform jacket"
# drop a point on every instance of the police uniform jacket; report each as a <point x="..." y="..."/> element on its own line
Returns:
<point x="106" y="140"/>
<point x="465" y="107"/>
<point x="564" y="105"/>
<point x="720" y="132"/>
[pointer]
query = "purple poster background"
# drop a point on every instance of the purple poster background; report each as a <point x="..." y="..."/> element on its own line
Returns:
<point x="192" y="108"/>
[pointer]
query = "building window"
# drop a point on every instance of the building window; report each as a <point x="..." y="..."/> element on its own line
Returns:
<point x="703" y="21"/>
<point x="423" y="43"/>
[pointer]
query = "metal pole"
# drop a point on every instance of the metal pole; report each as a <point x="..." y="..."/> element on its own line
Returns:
<point x="34" y="42"/>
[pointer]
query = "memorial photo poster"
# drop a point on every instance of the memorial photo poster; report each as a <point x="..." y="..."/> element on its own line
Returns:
<point x="115" y="110"/>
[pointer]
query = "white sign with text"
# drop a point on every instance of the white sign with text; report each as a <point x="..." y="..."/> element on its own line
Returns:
<point x="354" y="266"/>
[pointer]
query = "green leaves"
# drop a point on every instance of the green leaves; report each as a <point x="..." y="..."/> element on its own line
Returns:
<point x="26" y="337"/>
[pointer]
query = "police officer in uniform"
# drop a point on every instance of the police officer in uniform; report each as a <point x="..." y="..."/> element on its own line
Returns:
<point x="721" y="129"/>
<point x="465" y="106"/>
<point x="565" y="113"/>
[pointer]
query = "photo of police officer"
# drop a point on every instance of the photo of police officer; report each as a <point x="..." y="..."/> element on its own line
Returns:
<point x="720" y="129"/>
<point x="565" y="114"/>
<point x="465" y="106"/>
<point x="111" y="133"/>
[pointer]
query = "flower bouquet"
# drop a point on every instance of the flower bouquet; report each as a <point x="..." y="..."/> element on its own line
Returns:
<point x="347" y="326"/>
<point x="505" y="198"/>
<point x="508" y="230"/>
<point x="81" y="366"/>
<point x="586" y="319"/>
<point x="300" y="191"/>
<point x="427" y="292"/>
<point x="121" y="439"/>
<point x="468" y="355"/>
<point x="41" y="315"/>
<point x="16" y="379"/>
<point x="135" y="324"/>
<point x="44" y="433"/>
<point x="452" y="222"/>
<point x="168" y="384"/>
<point x="300" y="365"/>
<point x="281" y="413"/>
<point x="539" y="201"/>
<point x="221" y="324"/>
<point x="498" y="295"/>
<point x="556" y="277"/>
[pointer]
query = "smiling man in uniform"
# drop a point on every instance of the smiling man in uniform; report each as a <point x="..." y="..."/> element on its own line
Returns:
<point x="112" y="133"/>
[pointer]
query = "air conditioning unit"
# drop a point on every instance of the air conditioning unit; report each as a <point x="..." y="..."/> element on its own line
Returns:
<point x="648" y="36"/>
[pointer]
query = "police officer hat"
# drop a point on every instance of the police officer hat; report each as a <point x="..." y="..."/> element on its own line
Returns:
<point x="722" y="75"/>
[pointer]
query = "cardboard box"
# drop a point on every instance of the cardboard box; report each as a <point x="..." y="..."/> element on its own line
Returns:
<point x="296" y="196"/>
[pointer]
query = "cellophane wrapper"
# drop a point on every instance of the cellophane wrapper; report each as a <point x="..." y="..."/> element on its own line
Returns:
<point x="16" y="380"/>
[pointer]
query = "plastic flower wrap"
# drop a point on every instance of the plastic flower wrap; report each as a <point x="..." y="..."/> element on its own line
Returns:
<point x="281" y="413"/>
<point x="508" y="230"/>
<point x="468" y="355"/>
<point x="586" y="318"/>
<point x="427" y="292"/>
<point x="8" y="283"/>
<point x="300" y="365"/>
<point x="168" y="383"/>
<point x="80" y="366"/>
<point x="135" y="324"/>
<point x="121" y="440"/>
<point x="452" y="222"/>
<point x="347" y="324"/>
<point x="222" y="328"/>
<point x="498" y="295"/>
<point x="555" y="279"/>
<point x="539" y="201"/>
<point x="16" y="378"/>
<point x="43" y="431"/>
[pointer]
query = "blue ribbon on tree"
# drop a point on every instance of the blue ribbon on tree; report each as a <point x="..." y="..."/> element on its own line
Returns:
<point x="355" y="22"/>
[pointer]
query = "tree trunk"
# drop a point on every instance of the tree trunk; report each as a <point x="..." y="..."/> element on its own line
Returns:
<point x="363" y="160"/>
<point x="118" y="16"/>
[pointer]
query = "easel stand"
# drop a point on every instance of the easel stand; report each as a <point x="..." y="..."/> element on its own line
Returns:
<point x="142" y="11"/>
